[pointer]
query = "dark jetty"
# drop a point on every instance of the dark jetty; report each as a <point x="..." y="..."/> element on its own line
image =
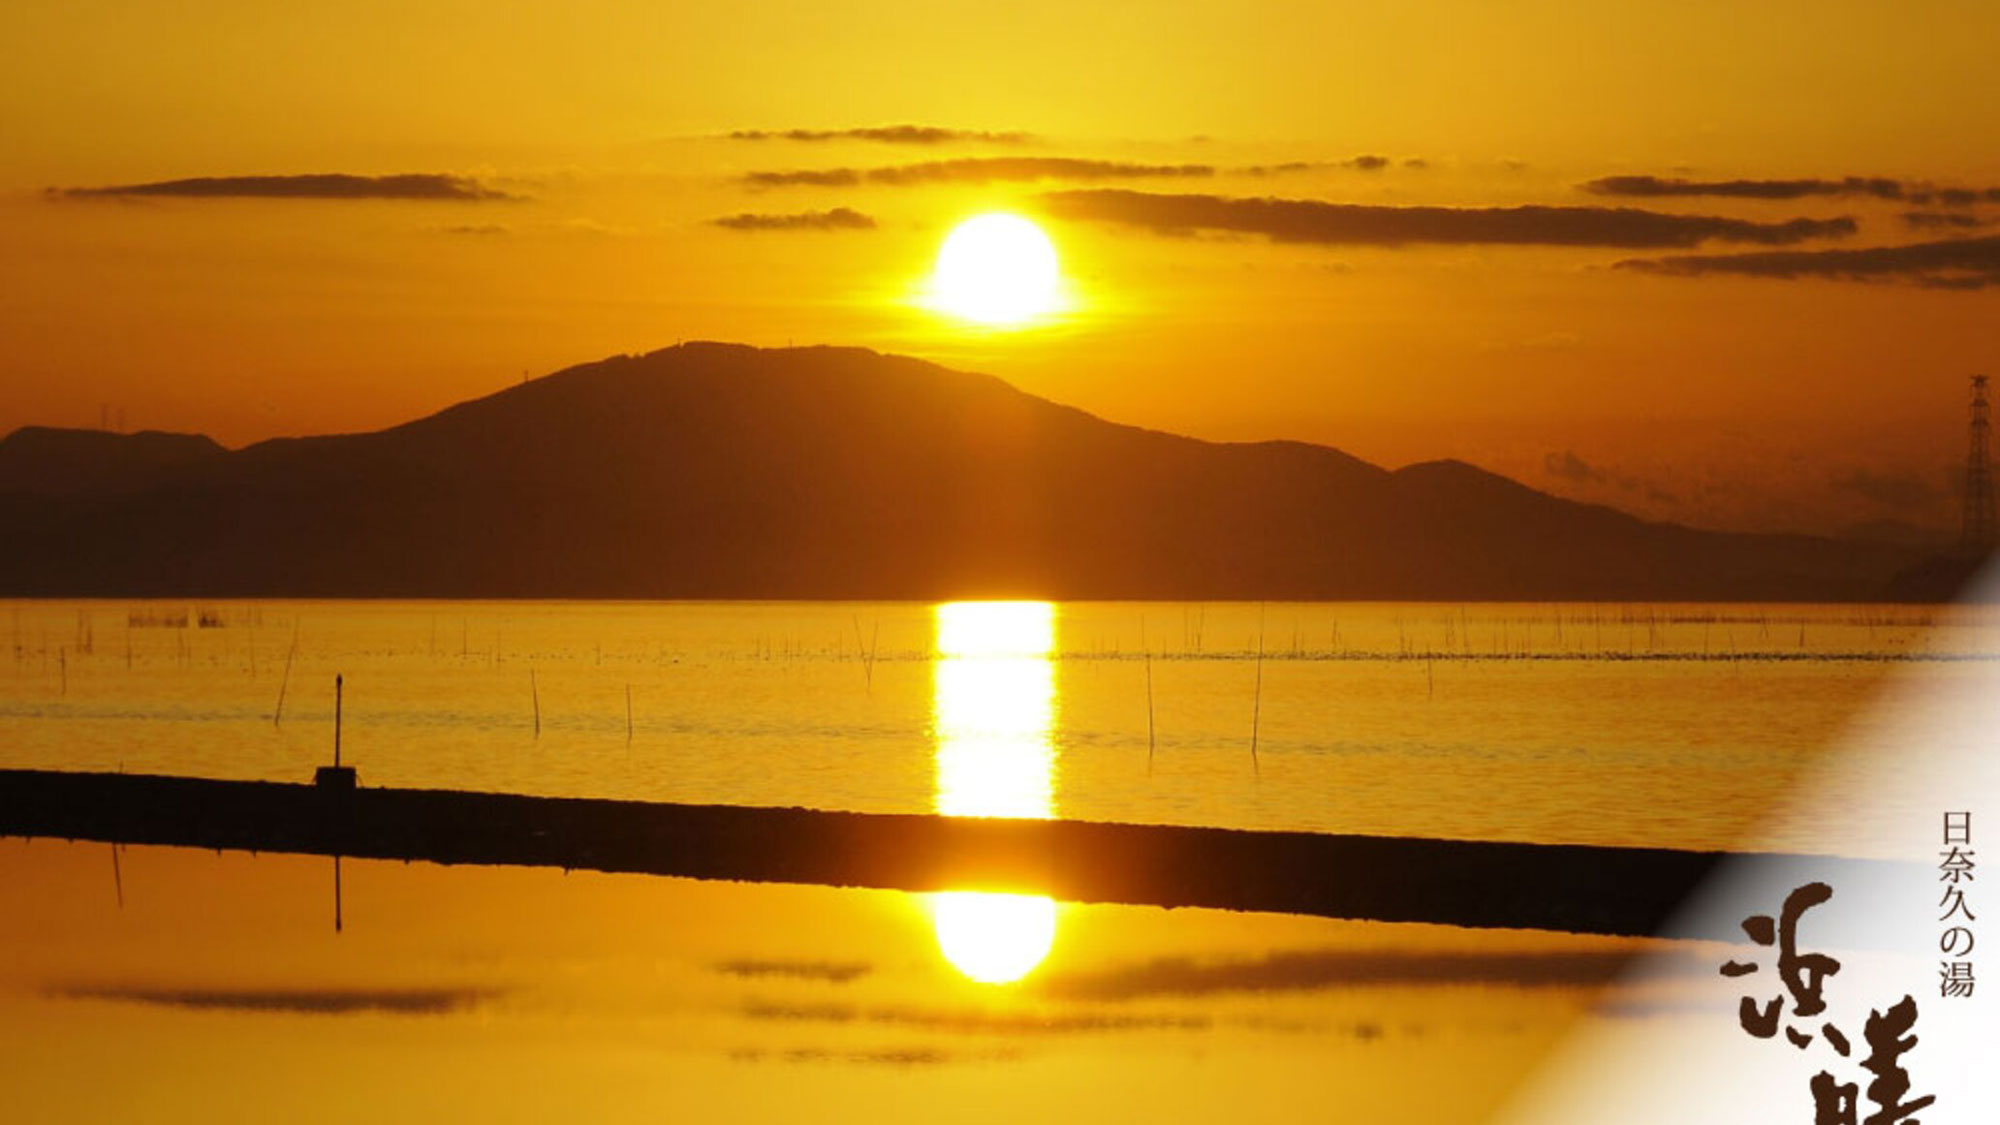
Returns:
<point x="1583" y="889"/>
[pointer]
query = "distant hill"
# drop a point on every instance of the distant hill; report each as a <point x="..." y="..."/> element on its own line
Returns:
<point x="39" y="461"/>
<point x="716" y="470"/>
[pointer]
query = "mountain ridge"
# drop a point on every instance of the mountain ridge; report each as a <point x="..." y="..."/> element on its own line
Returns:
<point x="723" y="470"/>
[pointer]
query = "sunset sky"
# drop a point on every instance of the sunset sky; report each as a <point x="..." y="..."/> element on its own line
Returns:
<point x="1716" y="317"/>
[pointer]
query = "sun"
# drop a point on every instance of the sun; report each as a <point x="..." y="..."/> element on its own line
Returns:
<point x="994" y="938"/>
<point x="997" y="269"/>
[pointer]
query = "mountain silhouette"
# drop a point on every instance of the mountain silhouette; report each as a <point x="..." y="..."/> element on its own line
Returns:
<point x="724" y="471"/>
<point x="39" y="461"/>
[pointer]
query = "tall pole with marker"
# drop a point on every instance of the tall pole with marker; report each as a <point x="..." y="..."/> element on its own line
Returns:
<point x="336" y="782"/>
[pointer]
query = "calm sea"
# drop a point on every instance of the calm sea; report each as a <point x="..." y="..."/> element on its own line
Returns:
<point x="1560" y="723"/>
<point x="173" y="984"/>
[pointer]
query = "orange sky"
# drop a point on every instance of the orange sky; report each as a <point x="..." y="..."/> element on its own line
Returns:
<point x="1720" y="398"/>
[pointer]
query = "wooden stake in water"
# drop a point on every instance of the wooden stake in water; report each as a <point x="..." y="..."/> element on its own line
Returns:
<point x="117" y="877"/>
<point x="535" y="696"/>
<point x="336" y="765"/>
<point x="277" y="716"/>
<point x="867" y="654"/>
<point x="1257" y="700"/>
<point x="1149" y="696"/>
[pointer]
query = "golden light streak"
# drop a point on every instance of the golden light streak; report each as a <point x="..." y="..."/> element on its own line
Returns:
<point x="995" y="702"/>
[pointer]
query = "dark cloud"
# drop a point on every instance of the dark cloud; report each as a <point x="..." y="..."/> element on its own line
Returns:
<point x="309" y="1001"/>
<point x="1568" y="466"/>
<point x="1321" y="969"/>
<point x="1876" y="187"/>
<point x="971" y="1021"/>
<point x="1303" y="220"/>
<point x="811" y="177"/>
<point x="977" y="170"/>
<point x="1958" y="197"/>
<point x="1284" y="169"/>
<point x="890" y="1056"/>
<point x="1366" y="162"/>
<point x="1959" y="263"/>
<point x="332" y="185"/>
<point x="883" y="1057"/>
<point x="887" y="134"/>
<point x="840" y="218"/>
<point x="836" y="972"/>
<point x="1899" y="491"/>
<point x="1953" y="197"/>
<point x="1654" y="186"/>
<point x="1948" y="220"/>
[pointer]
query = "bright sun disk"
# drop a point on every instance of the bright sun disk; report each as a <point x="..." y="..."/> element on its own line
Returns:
<point x="996" y="269"/>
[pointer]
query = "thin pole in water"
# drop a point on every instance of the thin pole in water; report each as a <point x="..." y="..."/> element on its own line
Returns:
<point x="867" y="654"/>
<point x="117" y="877"/>
<point x="535" y="696"/>
<point x="1150" y="742"/>
<point x="336" y="721"/>
<point x="277" y="716"/>
<point x="336" y="895"/>
<point x="1257" y="700"/>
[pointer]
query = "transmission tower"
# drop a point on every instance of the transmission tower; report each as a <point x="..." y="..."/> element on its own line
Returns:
<point x="1979" y="528"/>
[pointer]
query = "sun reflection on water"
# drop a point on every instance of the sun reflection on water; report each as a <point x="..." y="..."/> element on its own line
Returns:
<point x="995" y="704"/>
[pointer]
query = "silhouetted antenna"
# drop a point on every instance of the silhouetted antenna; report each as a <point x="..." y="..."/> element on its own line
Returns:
<point x="1978" y="533"/>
